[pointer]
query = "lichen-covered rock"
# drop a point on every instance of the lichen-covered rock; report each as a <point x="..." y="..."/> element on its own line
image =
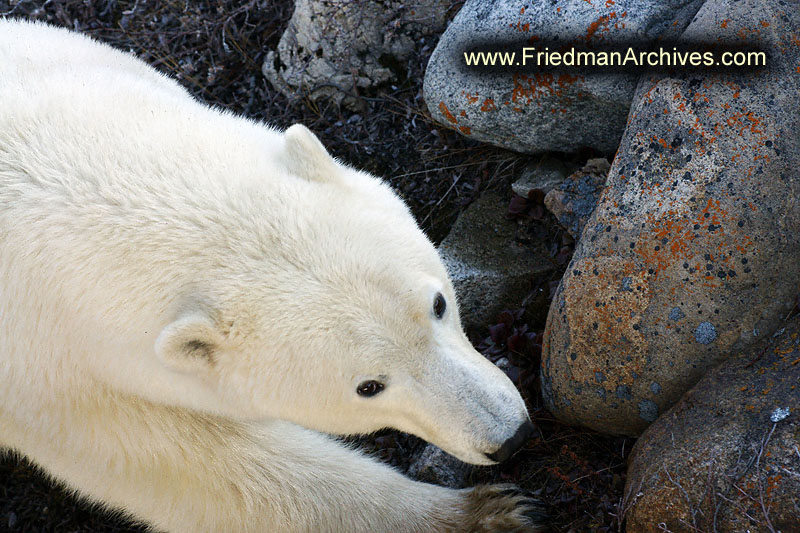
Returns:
<point x="542" y="111"/>
<point x="726" y="458"/>
<point x="693" y="249"/>
<point x="333" y="48"/>
<point x="574" y="200"/>
<point x="490" y="270"/>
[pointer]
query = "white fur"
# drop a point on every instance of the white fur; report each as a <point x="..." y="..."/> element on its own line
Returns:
<point x="188" y="297"/>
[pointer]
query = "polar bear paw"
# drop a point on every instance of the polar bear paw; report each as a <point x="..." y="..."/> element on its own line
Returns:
<point x="503" y="508"/>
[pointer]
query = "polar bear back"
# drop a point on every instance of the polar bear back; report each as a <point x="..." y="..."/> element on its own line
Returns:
<point x="40" y="49"/>
<point x="107" y="136"/>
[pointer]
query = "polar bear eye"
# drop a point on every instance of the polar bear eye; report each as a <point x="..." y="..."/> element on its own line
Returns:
<point x="369" y="388"/>
<point x="439" y="305"/>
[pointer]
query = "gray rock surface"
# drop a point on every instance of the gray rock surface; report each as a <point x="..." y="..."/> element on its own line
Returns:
<point x="544" y="175"/>
<point x="490" y="270"/>
<point x="333" y="48"/>
<point x="692" y="252"/>
<point x="574" y="200"/>
<point x="730" y="445"/>
<point x="437" y="467"/>
<point x="543" y="111"/>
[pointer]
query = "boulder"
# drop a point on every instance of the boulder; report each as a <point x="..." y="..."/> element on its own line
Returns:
<point x="692" y="252"/>
<point x="574" y="200"/>
<point x="536" y="111"/>
<point x="544" y="175"/>
<point x="726" y="458"/>
<point x="490" y="270"/>
<point x="334" y="48"/>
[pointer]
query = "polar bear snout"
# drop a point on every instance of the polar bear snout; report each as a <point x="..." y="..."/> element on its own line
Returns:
<point x="467" y="406"/>
<point x="513" y="444"/>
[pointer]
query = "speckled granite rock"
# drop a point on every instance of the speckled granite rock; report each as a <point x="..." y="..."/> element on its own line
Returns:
<point x="574" y="200"/>
<point x="731" y="443"/>
<point x="543" y="111"/>
<point x="333" y="48"/>
<point x="490" y="270"/>
<point x="693" y="249"/>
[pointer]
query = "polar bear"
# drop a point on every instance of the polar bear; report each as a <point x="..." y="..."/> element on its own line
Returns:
<point x="190" y="301"/>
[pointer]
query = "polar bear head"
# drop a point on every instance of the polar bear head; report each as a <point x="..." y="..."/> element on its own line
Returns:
<point x="345" y="323"/>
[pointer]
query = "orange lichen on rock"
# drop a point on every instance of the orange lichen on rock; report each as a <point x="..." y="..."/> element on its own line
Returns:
<point x="527" y="89"/>
<point x="600" y="319"/>
<point x="488" y="105"/>
<point x="597" y="25"/>
<point x="471" y="99"/>
<point x="447" y="114"/>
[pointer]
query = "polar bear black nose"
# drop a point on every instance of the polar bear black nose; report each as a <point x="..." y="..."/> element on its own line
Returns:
<point x="513" y="444"/>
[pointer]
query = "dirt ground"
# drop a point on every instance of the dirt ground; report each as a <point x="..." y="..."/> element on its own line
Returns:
<point x="215" y="48"/>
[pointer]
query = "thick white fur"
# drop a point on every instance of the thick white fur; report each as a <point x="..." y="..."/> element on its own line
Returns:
<point x="187" y="298"/>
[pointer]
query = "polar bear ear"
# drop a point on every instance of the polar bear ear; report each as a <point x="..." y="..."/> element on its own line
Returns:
<point x="306" y="157"/>
<point x="189" y="344"/>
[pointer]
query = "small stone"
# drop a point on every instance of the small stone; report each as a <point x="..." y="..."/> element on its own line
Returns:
<point x="779" y="414"/>
<point x="573" y="201"/>
<point x="503" y="364"/>
<point x="546" y="175"/>
<point x="435" y="466"/>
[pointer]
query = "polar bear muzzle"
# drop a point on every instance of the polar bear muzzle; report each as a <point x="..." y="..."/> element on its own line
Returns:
<point x="512" y="445"/>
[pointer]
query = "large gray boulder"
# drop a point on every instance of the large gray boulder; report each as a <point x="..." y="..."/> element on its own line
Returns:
<point x="692" y="252"/>
<point x="334" y="48"/>
<point x="726" y="458"/>
<point x="490" y="270"/>
<point x="543" y="111"/>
